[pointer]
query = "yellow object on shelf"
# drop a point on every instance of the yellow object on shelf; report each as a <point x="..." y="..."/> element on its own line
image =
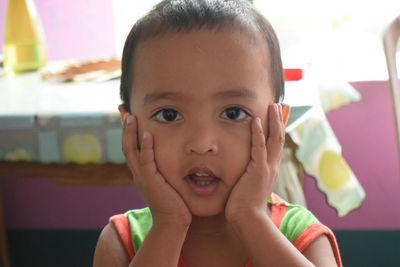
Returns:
<point x="82" y="148"/>
<point x="24" y="40"/>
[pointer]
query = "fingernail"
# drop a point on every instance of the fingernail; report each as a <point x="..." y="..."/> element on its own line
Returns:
<point x="128" y="119"/>
<point x="280" y="112"/>
<point x="258" y="121"/>
<point x="145" y="134"/>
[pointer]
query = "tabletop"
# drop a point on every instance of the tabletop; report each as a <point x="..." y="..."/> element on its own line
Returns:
<point x="59" y="122"/>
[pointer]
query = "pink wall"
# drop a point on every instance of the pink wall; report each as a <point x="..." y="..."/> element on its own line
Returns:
<point x="74" y="29"/>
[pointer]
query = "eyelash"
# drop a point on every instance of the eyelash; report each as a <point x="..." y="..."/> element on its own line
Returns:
<point x="161" y="119"/>
<point x="160" y="112"/>
<point x="241" y="110"/>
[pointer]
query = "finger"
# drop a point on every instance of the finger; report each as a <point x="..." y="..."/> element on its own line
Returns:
<point x="258" y="151"/>
<point x="276" y="137"/>
<point x="146" y="157"/>
<point x="129" y="142"/>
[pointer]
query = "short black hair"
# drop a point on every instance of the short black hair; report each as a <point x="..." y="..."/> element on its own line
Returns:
<point x="187" y="15"/>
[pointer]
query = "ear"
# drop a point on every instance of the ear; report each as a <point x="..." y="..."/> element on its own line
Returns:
<point x="285" y="113"/>
<point x="122" y="113"/>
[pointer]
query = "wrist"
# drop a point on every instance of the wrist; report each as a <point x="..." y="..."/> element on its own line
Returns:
<point x="244" y="217"/>
<point x="172" y="222"/>
<point x="167" y="228"/>
<point x="162" y="245"/>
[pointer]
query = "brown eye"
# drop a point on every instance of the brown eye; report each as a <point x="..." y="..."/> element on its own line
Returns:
<point x="168" y="115"/>
<point x="234" y="113"/>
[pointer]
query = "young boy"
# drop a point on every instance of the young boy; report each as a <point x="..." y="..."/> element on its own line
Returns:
<point x="203" y="137"/>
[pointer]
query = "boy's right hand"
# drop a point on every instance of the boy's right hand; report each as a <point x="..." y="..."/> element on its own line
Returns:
<point x="166" y="205"/>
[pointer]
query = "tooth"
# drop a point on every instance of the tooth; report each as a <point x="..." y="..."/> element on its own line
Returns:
<point x="202" y="182"/>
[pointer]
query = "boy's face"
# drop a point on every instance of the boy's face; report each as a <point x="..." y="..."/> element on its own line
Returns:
<point x="197" y="92"/>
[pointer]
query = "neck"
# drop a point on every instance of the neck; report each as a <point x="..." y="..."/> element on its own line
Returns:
<point x="205" y="238"/>
<point x="209" y="226"/>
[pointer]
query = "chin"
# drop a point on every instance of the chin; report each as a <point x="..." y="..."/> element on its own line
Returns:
<point x="204" y="211"/>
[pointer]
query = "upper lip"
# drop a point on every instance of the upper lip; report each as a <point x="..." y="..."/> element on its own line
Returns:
<point x="201" y="170"/>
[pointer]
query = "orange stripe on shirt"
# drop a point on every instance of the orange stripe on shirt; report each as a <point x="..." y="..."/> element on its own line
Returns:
<point x="278" y="209"/>
<point x="123" y="228"/>
<point x="311" y="233"/>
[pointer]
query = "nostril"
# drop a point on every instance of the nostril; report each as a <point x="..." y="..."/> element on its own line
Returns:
<point x="202" y="148"/>
<point x="201" y="140"/>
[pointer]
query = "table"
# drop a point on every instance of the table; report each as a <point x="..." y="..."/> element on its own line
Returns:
<point x="43" y="125"/>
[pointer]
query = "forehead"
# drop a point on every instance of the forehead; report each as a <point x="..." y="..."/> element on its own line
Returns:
<point x="201" y="62"/>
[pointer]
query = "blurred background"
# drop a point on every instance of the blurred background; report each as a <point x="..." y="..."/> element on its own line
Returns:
<point x="50" y="224"/>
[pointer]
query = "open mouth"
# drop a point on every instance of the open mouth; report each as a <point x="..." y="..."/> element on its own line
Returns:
<point x="202" y="181"/>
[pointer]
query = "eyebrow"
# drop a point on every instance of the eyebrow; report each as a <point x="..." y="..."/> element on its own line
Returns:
<point x="156" y="96"/>
<point x="232" y="93"/>
<point x="236" y="93"/>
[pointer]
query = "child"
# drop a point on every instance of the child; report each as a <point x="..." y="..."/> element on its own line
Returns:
<point x="203" y="137"/>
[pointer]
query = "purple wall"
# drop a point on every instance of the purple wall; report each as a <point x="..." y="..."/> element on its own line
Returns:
<point x="367" y="135"/>
<point x="77" y="29"/>
<point x="40" y="203"/>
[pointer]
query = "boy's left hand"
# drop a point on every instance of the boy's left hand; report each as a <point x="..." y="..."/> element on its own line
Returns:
<point x="253" y="189"/>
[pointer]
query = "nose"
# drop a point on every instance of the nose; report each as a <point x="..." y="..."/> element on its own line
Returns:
<point x="201" y="140"/>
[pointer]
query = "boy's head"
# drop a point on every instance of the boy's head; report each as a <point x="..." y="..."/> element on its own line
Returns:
<point x="182" y="16"/>
<point x="195" y="73"/>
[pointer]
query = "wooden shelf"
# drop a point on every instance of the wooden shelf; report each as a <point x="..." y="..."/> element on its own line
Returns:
<point x="70" y="174"/>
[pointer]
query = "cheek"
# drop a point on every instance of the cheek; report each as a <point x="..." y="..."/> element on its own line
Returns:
<point x="162" y="144"/>
<point x="166" y="154"/>
<point x="236" y="148"/>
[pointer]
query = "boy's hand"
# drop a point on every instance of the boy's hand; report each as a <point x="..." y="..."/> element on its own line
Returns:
<point x="253" y="189"/>
<point x="166" y="205"/>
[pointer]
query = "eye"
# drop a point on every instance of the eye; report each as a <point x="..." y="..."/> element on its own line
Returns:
<point x="168" y="115"/>
<point x="234" y="113"/>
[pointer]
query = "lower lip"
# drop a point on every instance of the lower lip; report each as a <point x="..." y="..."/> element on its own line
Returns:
<point x="203" y="190"/>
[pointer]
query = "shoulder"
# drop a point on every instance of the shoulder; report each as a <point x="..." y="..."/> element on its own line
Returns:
<point x="121" y="237"/>
<point x="306" y="233"/>
<point x="140" y="216"/>
<point x="132" y="228"/>
<point x="291" y="219"/>
<point x="135" y="227"/>
<point x="110" y="250"/>
<point x="296" y="220"/>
